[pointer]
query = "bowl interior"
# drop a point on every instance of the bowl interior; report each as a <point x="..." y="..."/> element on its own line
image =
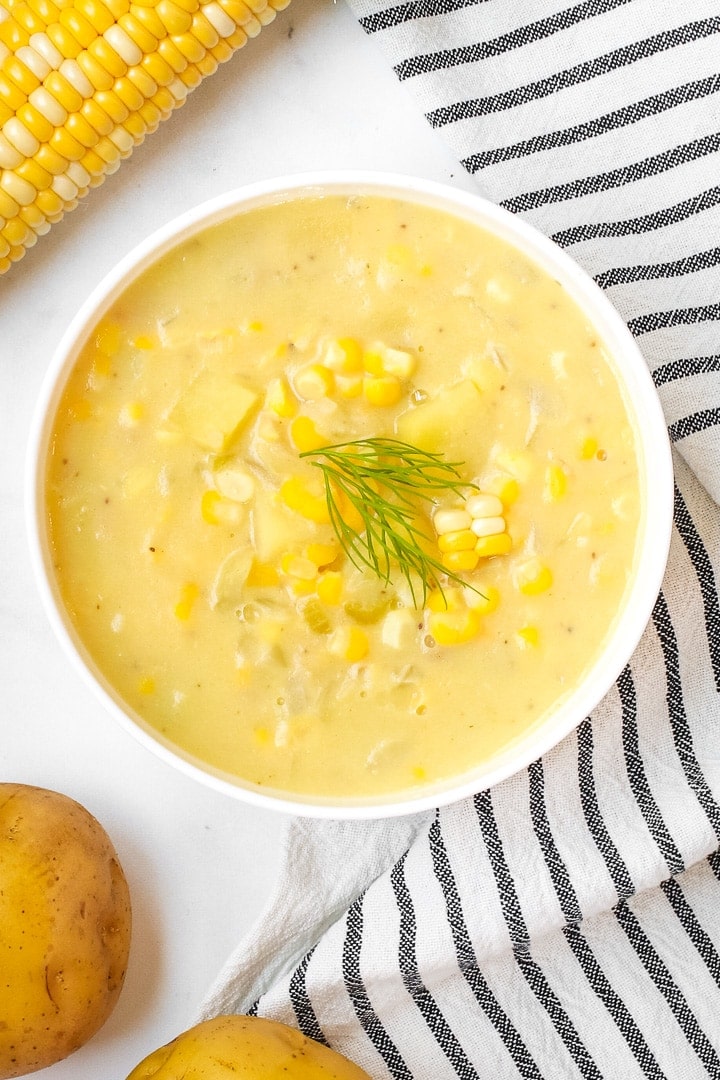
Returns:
<point x="640" y="398"/>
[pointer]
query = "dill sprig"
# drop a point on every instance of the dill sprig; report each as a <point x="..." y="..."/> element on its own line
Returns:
<point x="386" y="481"/>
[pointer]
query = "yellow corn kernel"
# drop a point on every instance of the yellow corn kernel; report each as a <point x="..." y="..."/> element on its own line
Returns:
<point x="349" y="386"/>
<point x="419" y="774"/>
<point x="188" y="595"/>
<point x="444" y="600"/>
<point x="215" y="508"/>
<point x="454" y="627"/>
<point x="588" y="448"/>
<point x="459" y="540"/>
<point x="146" y="685"/>
<point x="330" y="587"/>
<point x="322" y="554"/>
<point x="132" y="413"/>
<point x="262" y="575"/>
<point x="498" y="544"/>
<point x="508" y="491"/>
<point x="555" y="482"/>
<point x="280" y="398"/>
<point x="344" y="356"/>
<point x="349" y="643"/>
<point x="484" y="601"/>
<point x="382" y="360"/>
<point x="459" y="561"/>
<point x="298" y="496"/>
<point x="144" y="342"/>
<point x="313" y="382"/>
<point x="298" y="566"/>
<point x="528" y="637"/>
<point x="348" y="512"/>
<point x="382" y="390"/>
<point x="262" y="736"/>
<point x="533" y="577"/>
<point x="305" y="436"/>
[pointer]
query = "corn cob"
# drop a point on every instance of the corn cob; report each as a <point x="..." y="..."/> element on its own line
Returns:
<point x="82" y="82"/>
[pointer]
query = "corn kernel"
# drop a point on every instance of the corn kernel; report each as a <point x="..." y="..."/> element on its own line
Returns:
<point x="484" y="601"/>
<point x="533" y="577"/>
<point x="322" y="554"/>
<point x="146" y="685"/>
<point x="305" y="435"/>
<point x="350" y="643"/>
<point x="454" y="627"/>
<point x="450" y="521"/>
<point x="445" y="600"/>
<point x="188" y="595"/>
<point x="262" y="736"/>
<point x="484" y="505"/>
<point x="508" y="491"/>
<point x="330" y="587"/>
<point x="459" y="561"/>
<point x="215" y="508"/>
<point x="460" y="540"/>
<point x="382" y="390"/>
<point x="419" y="774"/>
<point x="488" y="526"/>
<point x="498" y="544"/>
<point x="314" y="382"/>
<point x="555" y="483"/>
<point x="588" y="448"/>
<point x="297" y="495"/>
<point x="280" y="398"/>
<point x="298" y="566"/>
<point x="373" y="362"/>
<point x="528" y="637"/>
<point x="262" y="575"/>
<point x="131" y="414"/>
<point x="344" y="356"/>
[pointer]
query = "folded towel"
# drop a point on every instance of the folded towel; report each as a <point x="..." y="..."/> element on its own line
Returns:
<point x="565" y="923"/>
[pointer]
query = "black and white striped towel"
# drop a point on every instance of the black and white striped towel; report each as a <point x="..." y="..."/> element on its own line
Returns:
<point x="566" y="923"/>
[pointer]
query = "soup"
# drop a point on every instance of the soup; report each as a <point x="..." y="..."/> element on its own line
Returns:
<point x="343" y="496"/>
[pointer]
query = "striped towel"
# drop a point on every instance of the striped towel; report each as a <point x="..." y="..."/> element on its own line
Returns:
<point x="566" y="923"/>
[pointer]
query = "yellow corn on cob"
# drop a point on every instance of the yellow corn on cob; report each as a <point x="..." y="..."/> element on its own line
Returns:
<point x="82" y="82"/>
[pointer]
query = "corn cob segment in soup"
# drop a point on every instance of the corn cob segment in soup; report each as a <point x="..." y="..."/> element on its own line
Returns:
<point x="82" y="82"/>
<point x="254" y="609"/>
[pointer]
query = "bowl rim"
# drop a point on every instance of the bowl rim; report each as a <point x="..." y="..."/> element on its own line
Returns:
<point x="652" y="545"/>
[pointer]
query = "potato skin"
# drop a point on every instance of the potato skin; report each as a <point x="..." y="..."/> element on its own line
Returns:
<point x="245" y="1048"/>
<point x="66" y="926"/>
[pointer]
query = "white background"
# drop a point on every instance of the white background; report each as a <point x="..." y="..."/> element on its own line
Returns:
<point x="311" y="92"/>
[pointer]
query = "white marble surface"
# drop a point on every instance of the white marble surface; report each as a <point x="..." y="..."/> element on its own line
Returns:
<point x="311" y="92"/>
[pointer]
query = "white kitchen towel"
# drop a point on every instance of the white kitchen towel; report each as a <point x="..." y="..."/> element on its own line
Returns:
<point x="566" y="923"/>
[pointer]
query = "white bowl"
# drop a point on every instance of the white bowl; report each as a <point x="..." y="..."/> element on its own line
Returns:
<point x="633" y="375"/>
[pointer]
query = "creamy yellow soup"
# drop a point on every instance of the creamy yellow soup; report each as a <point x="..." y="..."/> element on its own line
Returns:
<point x="192" y="534"/>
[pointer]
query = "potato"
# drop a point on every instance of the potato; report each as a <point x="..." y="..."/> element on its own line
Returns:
<point x="66" y="924"/>
<point x="245" y="1048"/>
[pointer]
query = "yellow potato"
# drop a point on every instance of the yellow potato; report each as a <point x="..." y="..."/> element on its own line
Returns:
<point x="65" y="927"/>
<point x="245" y="1048"/>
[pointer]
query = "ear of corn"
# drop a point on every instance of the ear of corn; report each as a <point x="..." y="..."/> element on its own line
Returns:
<point x="82" y="82"/>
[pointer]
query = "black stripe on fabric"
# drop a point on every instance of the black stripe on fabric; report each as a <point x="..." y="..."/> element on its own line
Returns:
<point x="685" y="368"/>
<point x="612" y="858"/>
<point x="664" y="982"/>
<point x="691" y="264"/>
<point x="681" y="732"/>
<point x="300" y="1001"/>
<point x="638" y="780"/>
<point x="467" y="960"/>
<point x="574" y="76"/>
<point x="582" y="952"/>
<point x="369" y="1020"/>
<point x="533" y="974"/>
<point x="692" y="926"/>
<point x="626" y="174"/>
<point x="614" y="1004"/>
<point x="664" y="320"/>
<point x="714" y="863"/>
<point x="658" y="219"/>
<point x="694" y="423"/>
<point x="705" y="574"/>
<point x="523" y="35"/>
<point x="590" y="129"/>
<point x="416" y="9"/>
<point x="564" y="889"/>
<point x="418" y="991"/>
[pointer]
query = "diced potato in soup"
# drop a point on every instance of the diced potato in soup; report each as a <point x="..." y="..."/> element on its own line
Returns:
<point x="204" y="562"/>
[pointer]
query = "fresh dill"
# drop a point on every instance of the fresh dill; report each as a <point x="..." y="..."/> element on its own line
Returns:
<point x="386" y="482"/>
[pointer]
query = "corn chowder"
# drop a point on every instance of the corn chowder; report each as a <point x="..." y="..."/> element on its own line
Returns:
<point x="241" y="597"/>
